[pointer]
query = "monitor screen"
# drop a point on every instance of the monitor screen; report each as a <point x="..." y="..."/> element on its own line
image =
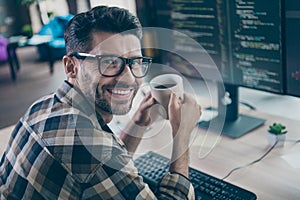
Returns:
<point x="245" y="39"/>
<point x="292" y="47"/>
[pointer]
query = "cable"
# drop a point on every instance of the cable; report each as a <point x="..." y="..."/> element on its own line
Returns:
<point x="253" y="162"/>
<point x="248" y="105"/>
<point x="259" y="159"/>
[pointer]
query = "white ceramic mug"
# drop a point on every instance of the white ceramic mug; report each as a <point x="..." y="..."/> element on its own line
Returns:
<point x="161" y="88"/>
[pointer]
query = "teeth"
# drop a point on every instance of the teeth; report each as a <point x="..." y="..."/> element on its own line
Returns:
<point x="120" y="92"/>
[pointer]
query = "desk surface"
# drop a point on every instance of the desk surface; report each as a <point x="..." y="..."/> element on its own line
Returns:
<point x="277" y="176"/>
<point x="274" y="177"/>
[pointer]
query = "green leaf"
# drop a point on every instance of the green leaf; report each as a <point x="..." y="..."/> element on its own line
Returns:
<point x="277" y="129"/>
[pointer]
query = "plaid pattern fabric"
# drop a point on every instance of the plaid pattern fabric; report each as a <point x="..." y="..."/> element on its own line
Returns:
<point x="59" y="150"/>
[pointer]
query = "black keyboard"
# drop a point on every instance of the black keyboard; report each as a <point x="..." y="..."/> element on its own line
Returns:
<point x="152" y="167"/>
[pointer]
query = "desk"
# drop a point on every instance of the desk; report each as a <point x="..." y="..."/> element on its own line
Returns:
<point x="271" y="178"/>
<point x="21" y="42"/>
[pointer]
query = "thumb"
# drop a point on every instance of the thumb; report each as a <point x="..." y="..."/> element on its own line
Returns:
<point x="174" y="101"/>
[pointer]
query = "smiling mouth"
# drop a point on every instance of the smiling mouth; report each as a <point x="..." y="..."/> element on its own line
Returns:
<point x="120" y="93"/>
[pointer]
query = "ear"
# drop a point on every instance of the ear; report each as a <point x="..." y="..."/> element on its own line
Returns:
<point x="71" y="66"/>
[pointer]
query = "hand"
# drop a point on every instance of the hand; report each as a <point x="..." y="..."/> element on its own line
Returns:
<point x="135" y="129"/>
<point x="143" y="116"/>
<point x="183" y="115"/>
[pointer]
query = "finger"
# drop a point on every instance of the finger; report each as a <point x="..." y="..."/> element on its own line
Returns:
<point x="200" y="109"/>
<point x="148" y="103"/>
<point x="174" y="100"/>
<point x="188" y="98"/>
<point x="147" y="96"/>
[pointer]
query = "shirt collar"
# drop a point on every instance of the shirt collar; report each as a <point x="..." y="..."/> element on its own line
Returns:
<point x="72" y="96"/>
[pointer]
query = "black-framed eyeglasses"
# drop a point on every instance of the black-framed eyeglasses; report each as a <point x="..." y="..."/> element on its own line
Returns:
<point x="113" y="65"/>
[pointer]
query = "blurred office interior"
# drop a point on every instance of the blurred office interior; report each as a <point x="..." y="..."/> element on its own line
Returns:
<point x="20" y="19"/>
<point x="33" y="79"/>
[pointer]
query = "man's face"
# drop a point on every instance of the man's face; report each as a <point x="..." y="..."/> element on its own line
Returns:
<point x="112" y="95"/>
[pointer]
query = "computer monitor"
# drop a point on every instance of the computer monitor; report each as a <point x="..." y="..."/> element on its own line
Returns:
<point x="246" y="40"/>
<point x="292" y="22"/>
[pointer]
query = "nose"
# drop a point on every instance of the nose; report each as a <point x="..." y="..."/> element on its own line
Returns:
<point x="127" y="75"/>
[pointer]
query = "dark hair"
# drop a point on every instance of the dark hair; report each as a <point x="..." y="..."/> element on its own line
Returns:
<point x="78" y="35"/>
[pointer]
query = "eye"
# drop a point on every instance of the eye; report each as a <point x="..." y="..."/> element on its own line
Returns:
<point x="111" y="62"/>
<point x="136" y="62"/>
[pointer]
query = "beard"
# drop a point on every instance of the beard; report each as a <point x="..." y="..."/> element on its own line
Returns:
<point x="110" y="105"/>
<point x="96" y="94"/>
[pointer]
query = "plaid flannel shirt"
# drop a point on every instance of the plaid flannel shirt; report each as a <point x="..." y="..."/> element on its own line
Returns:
<point x="61" y="149"/>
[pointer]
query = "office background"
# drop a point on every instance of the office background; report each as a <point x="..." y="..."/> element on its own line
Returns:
<point x="34" y="81"/>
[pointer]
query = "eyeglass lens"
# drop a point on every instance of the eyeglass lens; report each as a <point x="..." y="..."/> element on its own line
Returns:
<point x="111" y="65"/>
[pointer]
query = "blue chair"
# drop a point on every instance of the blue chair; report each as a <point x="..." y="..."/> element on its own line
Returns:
<point x="55" y="28"/>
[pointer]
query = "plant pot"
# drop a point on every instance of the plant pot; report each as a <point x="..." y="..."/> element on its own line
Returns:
<point x="273" y="138"/>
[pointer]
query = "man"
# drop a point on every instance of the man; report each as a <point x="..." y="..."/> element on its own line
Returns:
<point x="62" y="147"/>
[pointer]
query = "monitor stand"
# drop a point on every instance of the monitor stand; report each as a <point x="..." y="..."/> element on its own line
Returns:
<point x="234" y="124"/>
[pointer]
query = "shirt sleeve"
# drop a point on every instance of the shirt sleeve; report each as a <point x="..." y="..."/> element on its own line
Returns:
<point x="174" y="185"/>
<point x="118" y="179"/>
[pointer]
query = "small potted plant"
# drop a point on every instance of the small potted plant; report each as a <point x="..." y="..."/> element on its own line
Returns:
<point x="276" y="132"/>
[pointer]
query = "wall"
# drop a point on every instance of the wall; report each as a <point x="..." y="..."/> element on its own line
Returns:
<point x="128" y="4"/>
